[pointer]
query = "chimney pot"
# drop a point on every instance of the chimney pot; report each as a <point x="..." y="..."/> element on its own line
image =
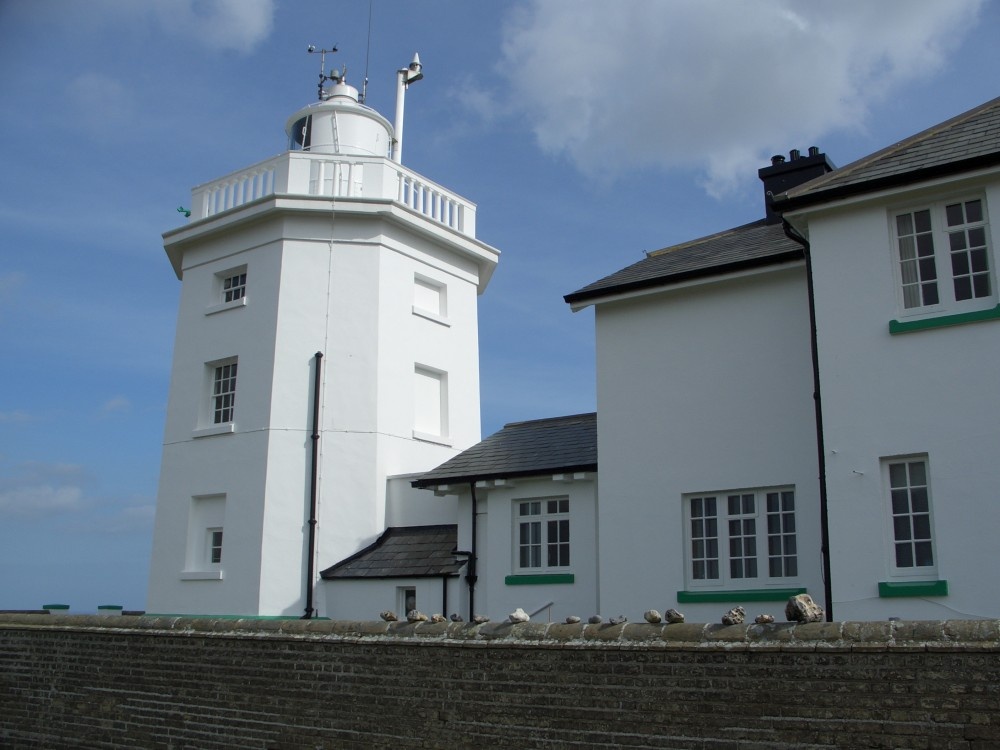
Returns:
<point x="794" y="154"/>
<point x="777" y="159"/>
<point x="814" y="151"/>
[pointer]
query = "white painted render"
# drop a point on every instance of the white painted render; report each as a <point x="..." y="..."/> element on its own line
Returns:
<point x="930" y="392"/>
<point x="331" y="268"/>
<point x="701" y="389"/>
<point x="496" y="552"/>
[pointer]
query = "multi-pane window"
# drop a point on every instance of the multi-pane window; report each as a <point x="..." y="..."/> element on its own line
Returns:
<point x="234" y="286"/>
<point x="742" y="538"/>
<point x="782" y="548"/>
<point x="224" y="393"/>
<point x="542" y="534"/>
<point x="943" y="255"/>
<point x="215" y="546"/>
<point x="910" y="507"/>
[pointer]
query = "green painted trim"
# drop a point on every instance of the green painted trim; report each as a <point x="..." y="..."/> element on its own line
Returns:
<point x="112" y="607"/>
<point x="891" y="589"/>
<point x="745" y="595"/>
<point x="539" y="580"/>
<point x="55" y="606"/>
<point x="944" y="320"/>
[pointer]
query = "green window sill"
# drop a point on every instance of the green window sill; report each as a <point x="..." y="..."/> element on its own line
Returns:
<point x="941" y="321"/>
<point x="540" y="579"/>
<point x="738" y="595"/>
<point x="889" y="590"/>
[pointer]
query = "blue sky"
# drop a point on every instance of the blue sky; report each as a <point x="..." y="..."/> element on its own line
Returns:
<point x="587" y="132"/>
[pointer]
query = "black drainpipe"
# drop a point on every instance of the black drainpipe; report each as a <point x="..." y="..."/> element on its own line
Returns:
<point x="824" y="519"/>
<point x="444" y="595"/>
<point x="470" y="570"/>
<point x="313" y="483"/>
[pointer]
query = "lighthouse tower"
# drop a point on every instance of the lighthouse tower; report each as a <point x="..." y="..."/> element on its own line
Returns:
<point x="326" y="340"/>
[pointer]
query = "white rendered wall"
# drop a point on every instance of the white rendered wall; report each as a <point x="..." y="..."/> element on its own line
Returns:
<point x="703" y="389"/>
<point x="341" y="284"/>
<point x="367" y="599"/>
<point x="928" y="392"/>
<point x="496" y="534"/>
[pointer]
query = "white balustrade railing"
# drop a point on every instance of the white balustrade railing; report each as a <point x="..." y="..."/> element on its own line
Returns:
<point x="302" y="173"/>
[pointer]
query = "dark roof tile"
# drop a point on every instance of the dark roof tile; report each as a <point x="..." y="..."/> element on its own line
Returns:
<point x="541" y="446"/>
<point x="403" y="552"/>
<point x="748" y="246"/>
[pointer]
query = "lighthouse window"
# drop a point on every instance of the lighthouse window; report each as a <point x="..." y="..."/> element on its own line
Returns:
<point x="234" y="287"/>
<point x="301" y="134"/>
<point x="228" y="290"/>
<point x="224" y="393"/>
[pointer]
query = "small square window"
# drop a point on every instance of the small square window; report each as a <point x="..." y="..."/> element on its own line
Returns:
<point x="234" y="287"/>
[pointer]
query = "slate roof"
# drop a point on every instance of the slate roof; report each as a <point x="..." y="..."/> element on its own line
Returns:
<point x="969" y="141"/>
<point x="748" y="246"/>
<point x="541" y="446"/>
<point x="403" y="552"/>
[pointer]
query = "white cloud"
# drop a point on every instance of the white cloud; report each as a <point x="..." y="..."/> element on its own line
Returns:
<point x="714" y="86"/>
<point x="101" y="103"/>
<point x="39" y="499"/>
<point x="14" y="417"/>
<point x="34" y="489"/>
<point x="130" y="519"/>
<point x="116" y="405"/>
<point x="237" y="25"/>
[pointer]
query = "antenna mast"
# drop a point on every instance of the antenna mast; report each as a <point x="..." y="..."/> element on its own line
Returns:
<point x="368" y="52"/>
<point x="323" y="77"/>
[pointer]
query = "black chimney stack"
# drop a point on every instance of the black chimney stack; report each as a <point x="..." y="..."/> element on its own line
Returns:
<point x="784" y="175"/>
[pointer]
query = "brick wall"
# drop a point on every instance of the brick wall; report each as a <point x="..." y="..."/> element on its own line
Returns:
<point x="128" y="682"/>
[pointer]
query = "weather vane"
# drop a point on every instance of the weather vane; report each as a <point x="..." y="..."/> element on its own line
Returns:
<point x="334" y="75"/>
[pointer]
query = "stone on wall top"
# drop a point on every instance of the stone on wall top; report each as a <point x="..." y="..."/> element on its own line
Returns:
<point x="941" y="635"/>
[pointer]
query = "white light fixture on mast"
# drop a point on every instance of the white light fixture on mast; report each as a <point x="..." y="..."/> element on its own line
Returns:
<point x="404" y="77"/>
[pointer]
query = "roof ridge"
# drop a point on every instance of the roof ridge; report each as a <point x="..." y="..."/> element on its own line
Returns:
<point x="565" y="417"/>
<point x="864" y="161"/>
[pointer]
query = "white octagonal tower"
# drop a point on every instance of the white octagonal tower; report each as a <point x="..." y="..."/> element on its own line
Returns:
<point x="328" y="280"/>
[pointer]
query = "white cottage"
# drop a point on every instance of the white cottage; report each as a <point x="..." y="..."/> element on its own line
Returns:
<point x="809" y="402"/>
<point x="326" y="341"/>
<point x="908" y="340"/>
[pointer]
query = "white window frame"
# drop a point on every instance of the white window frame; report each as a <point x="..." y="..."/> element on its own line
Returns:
<point x="222" y="397"/>
<point x="908" y="268"/>
<point x="406" y="599"/>
<point x="551" y="518"/>
<point x="214" y="539"/>
<point x="224" y="295"/>
<point x="746" y="546"/>
<point x="909" y="510"/>
<point x="207" y="424"/>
